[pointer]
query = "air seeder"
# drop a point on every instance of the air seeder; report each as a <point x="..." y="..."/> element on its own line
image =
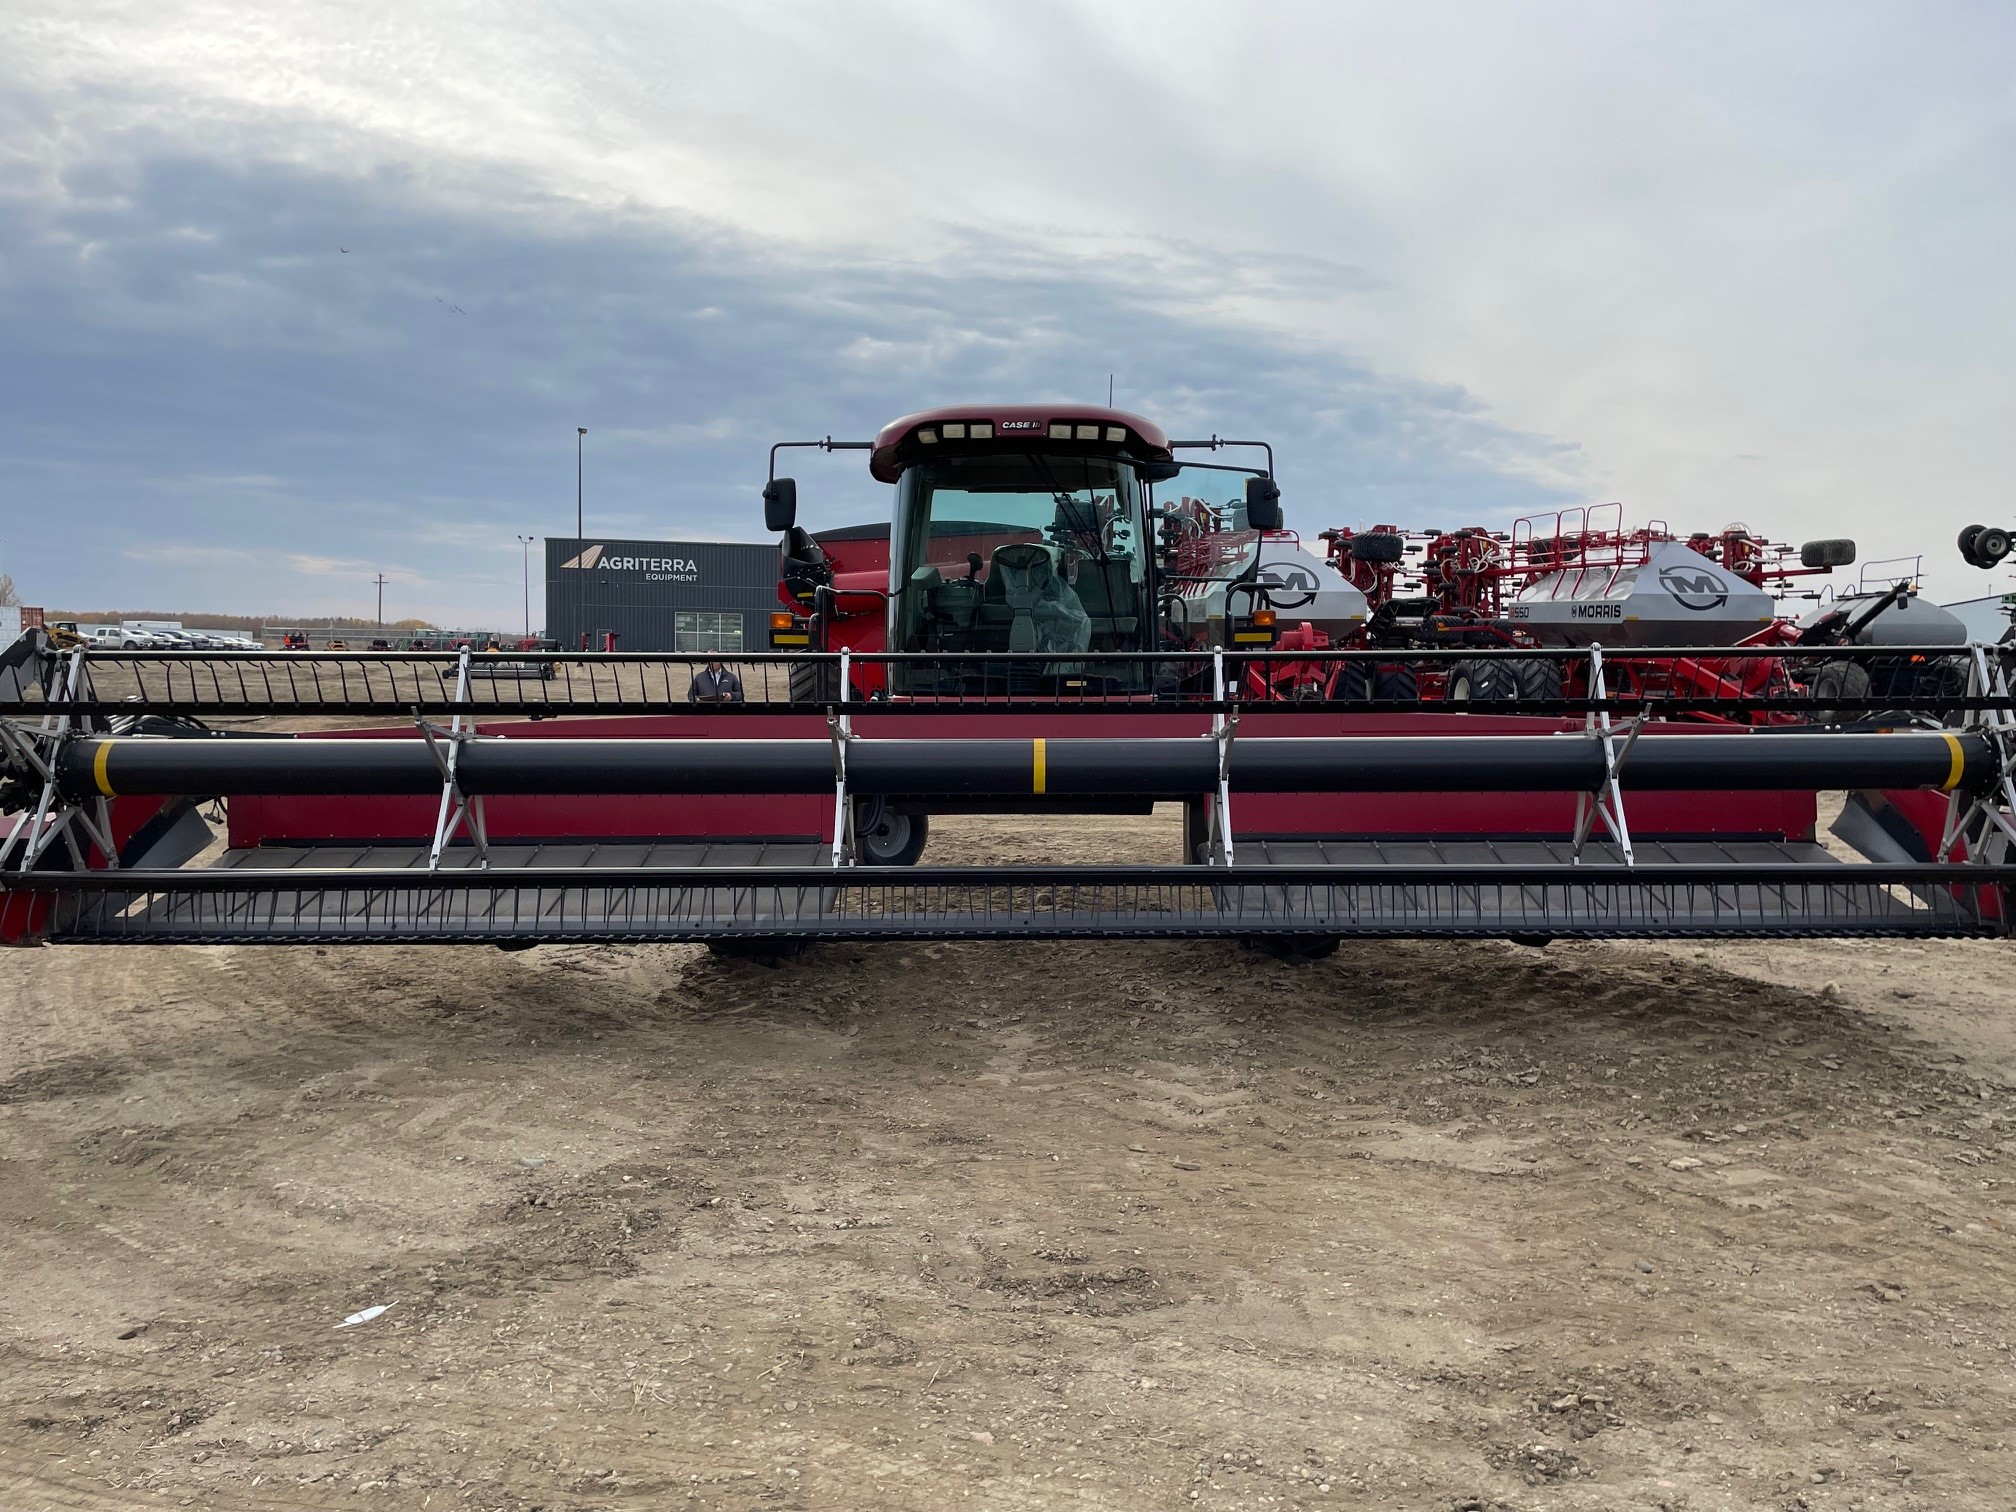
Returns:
<point x="1065" y="613"/>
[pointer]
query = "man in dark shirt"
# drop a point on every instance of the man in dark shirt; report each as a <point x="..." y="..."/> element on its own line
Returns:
<point x="715" y="684"/>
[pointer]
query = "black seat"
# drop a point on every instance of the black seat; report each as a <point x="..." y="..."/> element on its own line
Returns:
<point x="1028" y="606"/>
<point x="1111" y="598"/>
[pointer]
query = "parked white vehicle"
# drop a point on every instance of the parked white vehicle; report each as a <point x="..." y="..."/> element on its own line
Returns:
<point x="116" y="638"/>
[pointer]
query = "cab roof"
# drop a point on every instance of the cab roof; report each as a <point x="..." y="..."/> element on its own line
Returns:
<point x="900" y="443"/>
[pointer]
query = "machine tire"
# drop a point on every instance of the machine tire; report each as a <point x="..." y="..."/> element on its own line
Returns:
<point x="1355" y="682"/>
<point x="1350" y="683"/>
<point x="1396" y="685"/>
<point x="1944" y="678"/>
<point x="1483" y="682"/>
<point x="887" y="838"/>
<point x="1378" y="546"/>
<point x="1991" y="544"/>
<point x="814" y="682"/>
<point x="1838" y="679"/>
<point x="1968" y="535"/>
<point x="1537" y="678"/>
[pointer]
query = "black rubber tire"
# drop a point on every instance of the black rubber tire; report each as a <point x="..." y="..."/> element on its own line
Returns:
<point x="1378" y="546"/>
<point x="1945" y="677"/>
<point x="890" y="839"/>
<point x="1396" y="685"/>
<point x="1483" y="682"/>
<point x="1968" y="535"/>
<point x="1838" y="679"/>
<point x="1355" y="682"/>
<point x="1991" y="545"/>
<point x="1350" y="683"/>
<point x="1537" y="678"/>
<point x="814" y="682"/>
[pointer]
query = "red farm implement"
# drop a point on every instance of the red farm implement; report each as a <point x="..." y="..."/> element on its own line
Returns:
<point x="1033" y="632"/>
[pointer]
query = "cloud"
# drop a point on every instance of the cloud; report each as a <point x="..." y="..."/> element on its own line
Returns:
<point x="332" y="409"/>
<point x="1459" y="259"/>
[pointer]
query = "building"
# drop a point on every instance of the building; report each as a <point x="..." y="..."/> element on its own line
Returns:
<point x="660" y="595"/>
<point x="1986" y="619"/>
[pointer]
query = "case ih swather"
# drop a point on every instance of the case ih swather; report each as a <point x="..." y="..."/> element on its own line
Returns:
<point x="1067" y="613"/>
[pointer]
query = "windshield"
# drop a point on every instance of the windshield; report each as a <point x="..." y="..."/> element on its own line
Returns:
<point x="1020" y="551"/>
<point x="1081" y="507"/>
<point x="1204" y="510"/>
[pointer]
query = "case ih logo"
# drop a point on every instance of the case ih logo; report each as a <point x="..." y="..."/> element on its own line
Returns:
<point x="654" y="569"/>
<point x="1694" y="587"/>
<point x="1021" y="425"/>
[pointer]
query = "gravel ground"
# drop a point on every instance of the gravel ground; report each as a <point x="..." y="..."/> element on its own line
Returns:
<point x="1008" y="1226"/>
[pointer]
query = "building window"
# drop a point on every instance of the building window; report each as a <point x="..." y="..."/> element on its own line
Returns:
<point x="694" y="630"/>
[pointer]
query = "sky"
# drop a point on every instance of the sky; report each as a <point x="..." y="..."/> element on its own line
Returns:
<point x="292" y="295"/>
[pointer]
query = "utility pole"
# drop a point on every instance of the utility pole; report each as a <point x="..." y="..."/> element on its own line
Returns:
<point x="380" y="581"/>
<point x="525" y="561"/>
<point x="580" y="443"/>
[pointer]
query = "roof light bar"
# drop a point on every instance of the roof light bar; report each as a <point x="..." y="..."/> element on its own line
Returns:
<point x="981" y="430"/>
<point x="954" y="430"/>
<point x="1059" y="431"/>
<point x="928" y="437"/>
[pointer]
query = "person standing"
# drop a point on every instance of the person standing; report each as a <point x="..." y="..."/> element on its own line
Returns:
<point x="715" y="684"/>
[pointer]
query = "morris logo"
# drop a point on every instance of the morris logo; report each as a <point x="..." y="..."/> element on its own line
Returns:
<point x="1694" y="587"/>
<point x="1286" y="581"/>
<point x="587" y="558"/>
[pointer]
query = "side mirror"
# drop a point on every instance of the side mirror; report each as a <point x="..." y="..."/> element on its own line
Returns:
<point x="1263" y="504"/>
<point x="1158" y="472"/>
<point x="780" y="504"/>
<point x="1826" y="553"/>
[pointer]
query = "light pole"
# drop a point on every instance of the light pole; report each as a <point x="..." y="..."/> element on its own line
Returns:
<point x="380" y="581"/>
<point x="525" y="560"/>
<point x="580" y="444"/>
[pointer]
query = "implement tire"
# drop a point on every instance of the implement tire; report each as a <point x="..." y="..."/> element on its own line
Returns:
<point x="1537" y="678"/>
<point x="1838" y="679"/>
<point x="1350" y="683"/>
<point x="887" y="838"/>
<point x="1396" y="685"/>
<point x="1355" y="682"/>
<point x="1483" y="682"/>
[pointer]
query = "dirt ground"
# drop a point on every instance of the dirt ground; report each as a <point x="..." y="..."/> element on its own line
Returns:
<point x="1008" y="1226"/>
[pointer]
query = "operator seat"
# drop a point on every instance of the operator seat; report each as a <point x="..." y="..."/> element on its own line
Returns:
<point x="1043" y="611"/>
<point x="1108" y="592"/>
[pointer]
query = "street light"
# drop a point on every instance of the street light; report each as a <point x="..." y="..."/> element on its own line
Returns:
<point x="525" y="561"/>
<point x="580" y="443"/>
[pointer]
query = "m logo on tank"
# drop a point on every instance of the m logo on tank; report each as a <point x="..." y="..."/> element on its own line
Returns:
<point x="1694" y="587"/>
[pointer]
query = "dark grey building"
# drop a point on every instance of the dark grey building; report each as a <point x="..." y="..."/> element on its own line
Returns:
<point x="660" y="595"/>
